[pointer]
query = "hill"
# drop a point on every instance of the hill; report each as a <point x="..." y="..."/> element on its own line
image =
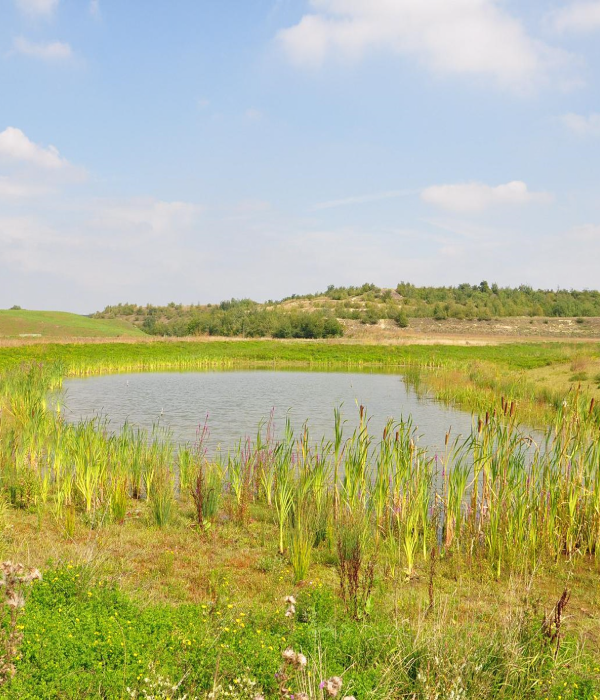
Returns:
<point x="347" y="310"/>
<point x="16" y="323"/>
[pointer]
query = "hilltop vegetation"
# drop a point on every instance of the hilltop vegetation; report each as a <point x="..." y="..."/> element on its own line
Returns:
<point x="464" y="301"/>
<point x="61" y="324"/>
<point x="319" y="315"/>
<point x="237" y="317"/>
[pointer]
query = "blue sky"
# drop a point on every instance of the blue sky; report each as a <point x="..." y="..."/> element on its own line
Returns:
<point x="196" y="150"/>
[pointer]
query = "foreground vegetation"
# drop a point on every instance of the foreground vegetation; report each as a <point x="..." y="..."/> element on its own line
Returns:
<point x="290" y="562"/>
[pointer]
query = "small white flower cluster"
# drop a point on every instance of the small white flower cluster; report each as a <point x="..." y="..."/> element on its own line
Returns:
<point x="291" y="603"/>
<point x="157" y="687"/>
<point x="448" y="689"/>
<point x="241" y="688"/>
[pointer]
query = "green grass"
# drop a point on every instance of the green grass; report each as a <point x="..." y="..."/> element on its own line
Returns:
<point x="141" y="592"/>
<point x="61" y="324"/>
<point x="161" y="355"/>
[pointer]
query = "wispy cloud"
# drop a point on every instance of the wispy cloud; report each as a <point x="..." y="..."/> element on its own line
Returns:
<point x="587" y="233"/>
<point x="578" y="17"/>
<point x="12" y="189"/>
<point x="95" y="8"/>
<point x="473" y="197"/>
<point x="363" y="199"/>
<point x="125" y="243"/>
<point x="37" y="8"/>
<point x="582" y="125"/>
<point x="253" y="114"/>
<point x="46" y="51"/>
<point x="472" y="37"/>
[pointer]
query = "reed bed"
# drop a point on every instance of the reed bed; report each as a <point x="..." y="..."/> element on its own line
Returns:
<point x="497" y="495"/>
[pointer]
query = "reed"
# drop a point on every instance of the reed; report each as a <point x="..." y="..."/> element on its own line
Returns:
<point x="502" y="496"/>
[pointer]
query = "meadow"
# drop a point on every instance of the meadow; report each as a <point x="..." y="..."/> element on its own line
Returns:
<point x="287" y="567"/>
<point x="61" y="324"/>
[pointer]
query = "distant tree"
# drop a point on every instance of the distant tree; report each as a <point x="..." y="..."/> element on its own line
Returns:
<point x="15" y="308"/>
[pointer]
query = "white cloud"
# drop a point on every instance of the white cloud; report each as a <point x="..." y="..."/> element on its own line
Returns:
<point x="11" y="189"/>
<point x="46" y="51"/>
<point x="581" y="125"/>
<point x="95" y="8"/>
<point x="16" y="147"/>
<point x="144" y="216"/>
<point x="475" y="196"/>
<point x="580" y="17"/>
<point x="474" y="37"/>
<point x="123" y="244"/>
<point x="37" y="8"/>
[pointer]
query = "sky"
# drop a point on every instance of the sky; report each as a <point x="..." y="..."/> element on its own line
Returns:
<point x="197" y="150"/>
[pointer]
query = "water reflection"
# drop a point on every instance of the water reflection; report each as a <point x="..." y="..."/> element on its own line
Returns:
<point x="235" y="402"/>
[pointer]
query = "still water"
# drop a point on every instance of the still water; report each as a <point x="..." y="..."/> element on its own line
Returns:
<point x="234" y="402"/>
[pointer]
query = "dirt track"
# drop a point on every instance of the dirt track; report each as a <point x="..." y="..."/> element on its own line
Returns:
<point x="420" y="331"/>
<point x="471" y="332"/>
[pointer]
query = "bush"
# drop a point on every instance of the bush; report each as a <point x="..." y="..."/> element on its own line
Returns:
<point x="401" y="319"/>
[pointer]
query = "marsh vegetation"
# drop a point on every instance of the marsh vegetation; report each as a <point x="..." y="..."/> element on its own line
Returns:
<point x="470" y="572"/>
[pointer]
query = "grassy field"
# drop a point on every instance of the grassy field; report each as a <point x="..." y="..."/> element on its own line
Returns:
<point x="126" y="356"/>
<point x="468" y="574"/>
<point x="60" y="324"/>
<point x="537" y="375"/>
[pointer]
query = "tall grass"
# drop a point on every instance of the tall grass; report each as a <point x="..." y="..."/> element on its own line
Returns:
<point x="499" y="495"/>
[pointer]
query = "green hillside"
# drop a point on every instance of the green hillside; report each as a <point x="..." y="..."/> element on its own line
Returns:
<point x="16" y="323"/>
<point x="319" y="315"/>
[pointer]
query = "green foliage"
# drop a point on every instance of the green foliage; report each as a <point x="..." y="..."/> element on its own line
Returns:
<point x="83" y="638"/>
<point x="401" y="319"/>
<point x="235" y="317"/>
<point x="485" y="301"/>
<point x="300" y="546"/>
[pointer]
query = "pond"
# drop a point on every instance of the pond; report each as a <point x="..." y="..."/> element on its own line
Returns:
<point x="233" y="403"/>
